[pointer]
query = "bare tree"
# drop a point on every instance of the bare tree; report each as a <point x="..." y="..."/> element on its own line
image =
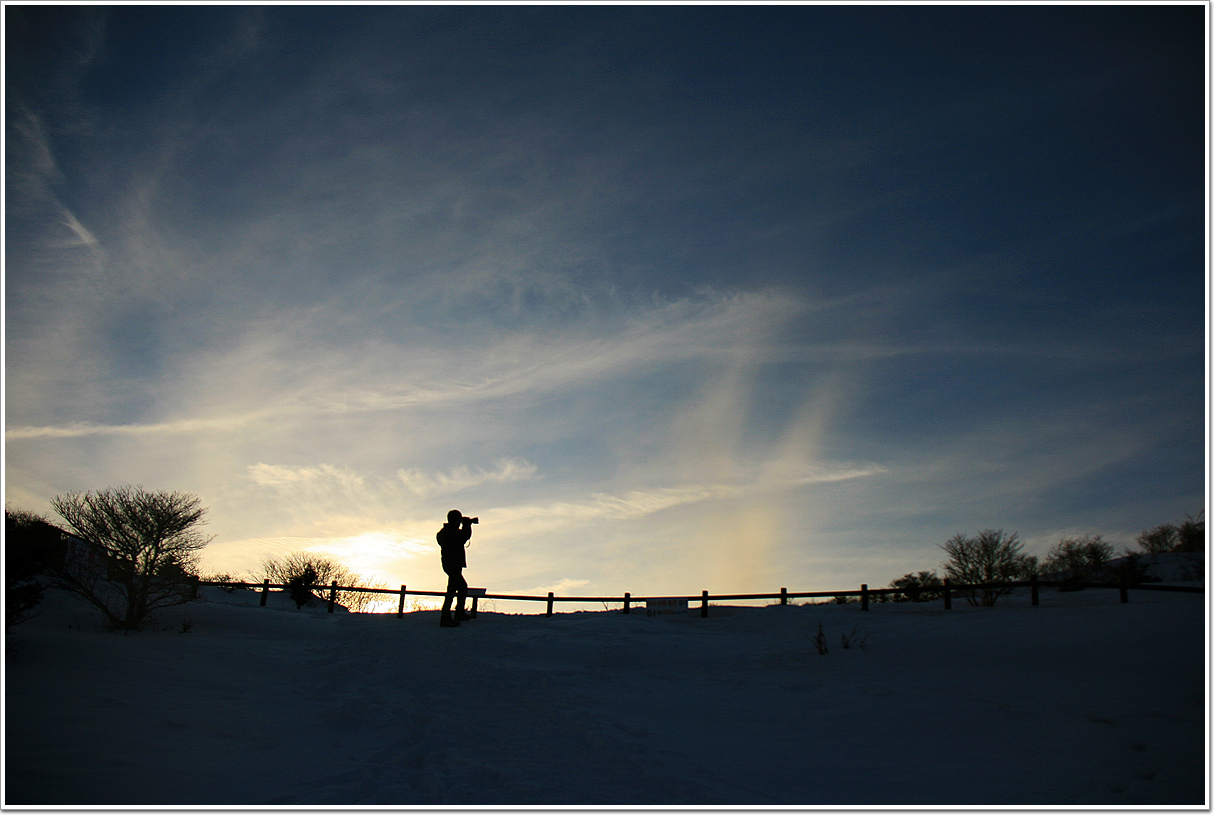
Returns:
<point x="306" y="570"/>
<point x="1162" y="538"/>
<point x="1187" y="536"/>
<point x="989" y="557"/>
<point x="133" y="550"/>
<point x="321" y="570"/>
<point x="1085" y="558"/>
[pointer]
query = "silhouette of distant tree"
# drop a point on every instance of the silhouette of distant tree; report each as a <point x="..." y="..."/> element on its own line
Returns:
<point x="132" y="552"/>
<point x="1187" y="536"/>
<point x="1158" y="539"/>
<point x="989" y="557"/>
<point x="1191" y="534"/>
<point x="1086" y="558"/>
<point x="918" y="587"/>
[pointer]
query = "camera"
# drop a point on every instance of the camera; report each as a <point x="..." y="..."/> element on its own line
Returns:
<point x="472" y="520"/>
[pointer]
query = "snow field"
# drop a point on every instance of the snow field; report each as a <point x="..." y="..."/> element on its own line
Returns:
<point x="1082" y="700"/>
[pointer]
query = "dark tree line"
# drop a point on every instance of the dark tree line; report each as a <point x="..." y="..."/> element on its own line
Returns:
<point x="32" y="545"/>
<point x="1187" y="536"/>
<point x="992" y="556"/>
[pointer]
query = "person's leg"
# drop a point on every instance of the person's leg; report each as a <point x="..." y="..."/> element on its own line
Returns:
<point x="462" y="591"/>
<point x="452" y="587"/>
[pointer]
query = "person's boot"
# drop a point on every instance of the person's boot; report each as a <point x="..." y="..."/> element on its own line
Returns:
<point x="446" y="621"/>
<point x="462" y="615"/>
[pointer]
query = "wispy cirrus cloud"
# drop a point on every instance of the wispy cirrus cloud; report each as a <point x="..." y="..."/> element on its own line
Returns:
<point x="634" y="504"/>
<point x="267" y="358"/>
<point x="460" y="478"/>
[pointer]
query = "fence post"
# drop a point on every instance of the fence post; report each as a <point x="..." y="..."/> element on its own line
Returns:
<point x="948" y="595"/>
<point x="1123" y="590"/>
<point x="265" y="590"/>
<point x="400" y="610"/>
<point x="1033" y="586"/>
<point x="783" y="595"/>
<point x="332" y="596"/>
<point x="549" y="604"/>
<point x="704" y="603"/>
<point x="627" y="601"/>
<point x="864" y="597"/>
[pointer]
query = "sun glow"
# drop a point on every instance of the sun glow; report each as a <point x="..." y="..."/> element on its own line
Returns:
<point x="373" y="556"/>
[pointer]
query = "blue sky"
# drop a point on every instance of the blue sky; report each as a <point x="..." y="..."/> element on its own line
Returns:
<point x="672" y="297"/>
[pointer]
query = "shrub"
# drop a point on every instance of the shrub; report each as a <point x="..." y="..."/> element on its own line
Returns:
<point x="918" y="587"/>
<point x="855" y="638"/>
<point x="300" y="586"/>
<point x="819" y="640"/>
<point x="1086" y="558"/>
<point x="990" y="557"/>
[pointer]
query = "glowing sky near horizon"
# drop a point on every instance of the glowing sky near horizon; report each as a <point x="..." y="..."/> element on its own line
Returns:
<point x="672" y="297"/>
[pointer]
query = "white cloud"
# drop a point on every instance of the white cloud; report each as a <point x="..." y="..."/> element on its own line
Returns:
<point x="822" y="474"/>
<point x="463" y="477"/>
<point x="535" y="518"/>
<point x="81" y="429"/>
<point x="83" y="237"/>
<point x="278" y="476"/>
<point x="532" y="519"/>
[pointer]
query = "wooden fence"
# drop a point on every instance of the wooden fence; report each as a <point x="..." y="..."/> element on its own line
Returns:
<point x="947" y="592"/>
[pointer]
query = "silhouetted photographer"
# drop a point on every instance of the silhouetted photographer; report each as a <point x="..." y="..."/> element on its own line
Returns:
<point x="451" y="539"/>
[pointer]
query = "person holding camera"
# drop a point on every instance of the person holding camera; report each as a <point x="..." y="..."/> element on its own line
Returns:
<point x="451" y="539"/>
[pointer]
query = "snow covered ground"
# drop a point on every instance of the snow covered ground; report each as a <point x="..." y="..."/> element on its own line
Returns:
<point x="1082" y="700"/>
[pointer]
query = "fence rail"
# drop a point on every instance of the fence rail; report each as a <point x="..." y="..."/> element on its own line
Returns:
<point x="946" y="592"/>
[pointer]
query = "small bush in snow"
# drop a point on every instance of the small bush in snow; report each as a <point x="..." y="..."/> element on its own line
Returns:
<point x="300" y="586"/>
<point x="819" y="640"/>
<point x="855" y="638"/>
